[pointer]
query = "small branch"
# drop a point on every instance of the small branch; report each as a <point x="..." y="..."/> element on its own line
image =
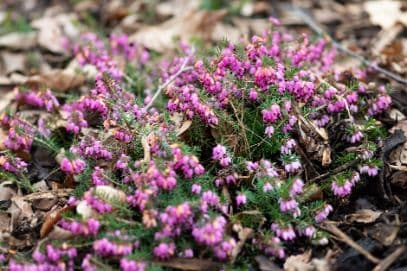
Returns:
<point x="346" y="239"/>
<point x="318" y="29"/>
<point x="182" y="69"/>
<point x="335" y="171"/>
<point x="389" y="260"/>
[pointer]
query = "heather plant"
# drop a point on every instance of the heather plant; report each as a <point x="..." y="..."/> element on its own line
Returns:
<point x="222" y="161"/>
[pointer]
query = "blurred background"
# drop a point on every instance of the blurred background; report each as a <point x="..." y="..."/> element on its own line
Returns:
<point x="33" y="32"/>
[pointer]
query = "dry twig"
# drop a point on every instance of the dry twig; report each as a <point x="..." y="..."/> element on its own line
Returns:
<point x="308" y="20"/>
<point x="346" y="239"/>
<point x="389" y="260"/>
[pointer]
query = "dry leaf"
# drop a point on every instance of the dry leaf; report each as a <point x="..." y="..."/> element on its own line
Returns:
<point x="5" y="220"/>
<point x="110" y="194"/>
<point x="399" y="179"/>
<point x="384" y="233"/>
<point x="176" y="7"/>
<point x="299" y="262"/>
<point x="7" y="191"/>
<point x="54" y="30"/>
<point x="13" y="62"/>
<point x="243" y="234"/>
<point x="161" y="37"/>
<point x="363" y="216"/>
<point x="85" y="210"/>
<point x="385" y="37"/>
<point x="265" y="264"/>
<point x="58" y="233"/>
<point x="19" y="41"/>
<point x="223" y="31"/>
<point x="58" y="79"/>
<point x="51" y="219"/>
<point x="385" y="12"/>
<point x="192" y="264"/>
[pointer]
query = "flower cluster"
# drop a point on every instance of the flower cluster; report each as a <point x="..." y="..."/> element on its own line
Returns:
<point x="259" y="114"/>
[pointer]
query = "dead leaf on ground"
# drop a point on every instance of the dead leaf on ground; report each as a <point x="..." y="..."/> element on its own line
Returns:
<point x="4" y="222"/>
<point x="58" y="79"/>
<point x="363" y="216"/>
<point x="52" y="32"/>
<point x="58" y="233"/>
<point x="385" y="12"/>
<point x="399" y="179"/>
<point x="85" y="210"/>
<point x="13" y="62"/>
<point x="176" y="7"/>
<point x="266" y="265"/>
<point x="51" y="219"/>
<point x="161" y="37"/>
<point x="110" y="194"/>
<point x="299" y="262"/>
<point x="192" y="264"/>
<point x="384" y="233"/>
<point x="243" y="233"/>
<point x="19" y="41"/>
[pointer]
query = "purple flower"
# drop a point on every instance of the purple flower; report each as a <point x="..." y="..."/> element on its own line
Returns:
<point x="341" y="190"/>
<point x="296" y="187"/>
<point x="164" y="251"/>
<point x="219" y="153"/>
<point x="241" y="199"/>
<point x="323" y="213"/>
<point x="130" y="265"/>
<point x="369" y="170"/>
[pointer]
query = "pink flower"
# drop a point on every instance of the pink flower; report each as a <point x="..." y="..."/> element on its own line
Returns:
<point x="130" y="265"/>
<point x="272" y="114"/>
<point x="323" y="213"/>
<point x="369" y="170"/>
<point x="288" y="205"/>
<point x="267" y="187"/>
<point x="296" y="187"/>
<point x="292" y="167"/>
<point x="341" y="190"/>
<point x="269" y="131"/>
<point x="164" y="251"/>
<point x="219" y="153"/>
<point x="196" y="188"/>
<point x="241" y="199"/>
<point x="356" y="137"/>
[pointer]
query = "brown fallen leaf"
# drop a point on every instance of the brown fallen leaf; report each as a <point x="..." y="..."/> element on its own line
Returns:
<point x="51" y="219"/>
<point x="58" y="79"/>
<point x="299" y="262"/>
<point x="110" y="194"/>
<point x="363" y="216"/>
<point x="5" y="220"/>
<point x="19" y="41"/>
<point x="243" y="234"/>
<point x="191" y="264"/>
<point x="161" y="37"/>
<point x="384" y="233"/>
<point x="13" y="62"/>
<point x="399" y="179"/>
<point x="58" y="233"/>
<point x="385" y="37"/>
<point x="85" y="210"/>
<point x="266" y="265"/>
<point x="52" y="32"/>
<point x="385" y="12"/>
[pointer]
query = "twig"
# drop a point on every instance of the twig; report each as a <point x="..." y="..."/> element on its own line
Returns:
<point x="335" y="171"/>
<point x="318" y="29"/>
<point x="182" y="69"/>
<point x="346" y="239"/>
<point x="389" y="260"/>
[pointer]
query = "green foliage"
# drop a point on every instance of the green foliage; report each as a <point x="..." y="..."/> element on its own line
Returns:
<point x="15" y="24"/>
